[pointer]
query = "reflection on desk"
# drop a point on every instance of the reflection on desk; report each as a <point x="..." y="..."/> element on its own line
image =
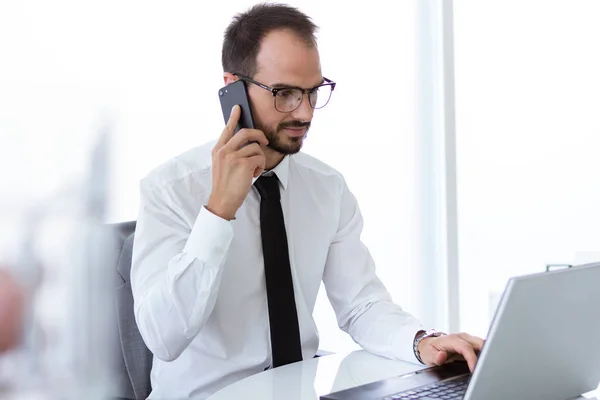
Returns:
<point x="310" y="379"/>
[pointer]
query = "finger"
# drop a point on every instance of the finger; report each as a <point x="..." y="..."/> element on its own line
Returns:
<point x="431" y="354"/>
<point x="229" y="129"/>
<point x="441" y="358"/>
<point x="257" y="164"/>
<point x="474" y="341"/>
<point x="250" y="150"/>
<point x="258" y="171"/>
<point x="245" y="136"/>
<point x="456" y="345"/>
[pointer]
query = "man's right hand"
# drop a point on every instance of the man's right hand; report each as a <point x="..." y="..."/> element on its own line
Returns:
<point x="234" y="164"/>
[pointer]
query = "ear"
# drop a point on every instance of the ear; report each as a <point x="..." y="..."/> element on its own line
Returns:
<point x="228" y="78"/>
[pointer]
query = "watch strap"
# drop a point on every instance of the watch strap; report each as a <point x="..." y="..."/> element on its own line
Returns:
<point x="422" y="335"/>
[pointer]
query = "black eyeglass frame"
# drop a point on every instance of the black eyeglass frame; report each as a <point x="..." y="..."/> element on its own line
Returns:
<point x="274" y="91"/>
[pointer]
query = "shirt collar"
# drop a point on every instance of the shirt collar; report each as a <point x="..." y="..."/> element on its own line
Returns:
<point x="282" y="170"/>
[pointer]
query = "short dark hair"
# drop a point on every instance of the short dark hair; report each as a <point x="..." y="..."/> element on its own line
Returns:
<point x="244" y="35"/>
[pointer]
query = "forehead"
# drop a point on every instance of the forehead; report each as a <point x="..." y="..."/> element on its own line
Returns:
<point x="285" y="58"/>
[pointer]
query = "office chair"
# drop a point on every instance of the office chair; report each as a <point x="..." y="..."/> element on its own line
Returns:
<point x="135" y="362"/>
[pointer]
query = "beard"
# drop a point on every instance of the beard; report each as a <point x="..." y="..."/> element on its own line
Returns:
<point x="282" y="143"/>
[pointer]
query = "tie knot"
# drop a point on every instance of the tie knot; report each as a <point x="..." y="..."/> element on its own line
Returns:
<point x="268" y="187"/>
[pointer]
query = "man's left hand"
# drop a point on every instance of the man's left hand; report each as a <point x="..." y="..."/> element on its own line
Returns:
<point x="440" y="350"/>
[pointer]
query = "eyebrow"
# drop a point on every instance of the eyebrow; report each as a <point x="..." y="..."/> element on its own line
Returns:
<point x="287" y="85"/>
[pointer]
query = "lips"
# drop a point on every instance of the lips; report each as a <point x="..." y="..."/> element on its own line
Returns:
<point x="295" y="131"/>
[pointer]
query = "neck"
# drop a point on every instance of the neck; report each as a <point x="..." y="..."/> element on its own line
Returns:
<point x="272" y="157"/>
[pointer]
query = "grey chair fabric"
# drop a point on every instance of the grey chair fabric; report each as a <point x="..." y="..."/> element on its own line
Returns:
<point x="134" y="365"/>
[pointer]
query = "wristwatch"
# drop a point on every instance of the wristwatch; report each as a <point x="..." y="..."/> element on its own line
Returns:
<point x="422" y="335"/>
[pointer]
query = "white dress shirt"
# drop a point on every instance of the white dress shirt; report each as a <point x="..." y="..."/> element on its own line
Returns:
<point x="199" y="285"/>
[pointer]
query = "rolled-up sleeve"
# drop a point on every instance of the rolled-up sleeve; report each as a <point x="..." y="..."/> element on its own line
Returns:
<point x="363" y="306"/>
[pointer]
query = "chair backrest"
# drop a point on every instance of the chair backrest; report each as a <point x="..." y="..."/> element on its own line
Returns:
<point x="133" y="369"/>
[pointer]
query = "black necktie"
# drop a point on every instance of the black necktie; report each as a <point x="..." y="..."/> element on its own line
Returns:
<point x="283" y="317"/>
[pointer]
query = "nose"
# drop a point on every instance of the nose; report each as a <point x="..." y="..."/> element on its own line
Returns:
<point x="304" y="112"/>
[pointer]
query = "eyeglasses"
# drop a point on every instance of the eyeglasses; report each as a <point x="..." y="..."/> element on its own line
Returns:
<point x="288" y="99"/>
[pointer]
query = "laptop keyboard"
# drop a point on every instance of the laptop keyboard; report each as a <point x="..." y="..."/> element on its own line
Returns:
<point x="453" y="389"/>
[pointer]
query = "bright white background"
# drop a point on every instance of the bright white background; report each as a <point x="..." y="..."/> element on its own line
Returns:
<point x="152" y="70"/>
<point x="528" y="139"/>
<point x="527" y="123"/>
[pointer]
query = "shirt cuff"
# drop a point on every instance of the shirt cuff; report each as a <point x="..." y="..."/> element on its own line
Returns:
<point x="404" y="341"/>
<point x="210" y="238"/>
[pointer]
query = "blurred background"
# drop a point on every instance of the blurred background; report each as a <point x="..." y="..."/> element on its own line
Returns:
<point x="467" y="130"/>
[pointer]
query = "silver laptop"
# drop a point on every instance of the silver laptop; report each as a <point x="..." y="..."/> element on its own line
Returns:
<point x="544" y="343"/>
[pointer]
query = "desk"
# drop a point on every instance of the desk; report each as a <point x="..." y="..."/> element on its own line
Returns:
<point x="307" y="380"/>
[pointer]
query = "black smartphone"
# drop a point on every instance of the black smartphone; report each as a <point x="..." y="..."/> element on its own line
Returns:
<point x="232" y="94"/>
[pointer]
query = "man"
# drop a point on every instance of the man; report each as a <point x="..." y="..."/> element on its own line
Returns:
<point x="224" y="287"/>
<point x="11" y="311"/>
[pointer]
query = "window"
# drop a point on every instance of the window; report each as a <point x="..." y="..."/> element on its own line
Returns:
<point x="527" y="100"/>
<point x="142" y="68"/>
